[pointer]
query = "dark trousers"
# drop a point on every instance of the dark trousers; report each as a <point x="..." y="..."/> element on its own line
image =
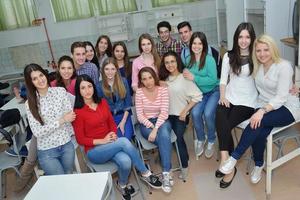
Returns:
<point x="226" y="120"/>
<point x="257" y="137"/>
<point x="178" y="127"/>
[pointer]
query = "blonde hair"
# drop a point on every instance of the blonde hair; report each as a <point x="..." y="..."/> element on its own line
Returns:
<point x="118" y="86"/>
<point x="270" y="42"/>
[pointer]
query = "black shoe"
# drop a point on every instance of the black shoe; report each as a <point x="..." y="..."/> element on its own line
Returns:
<point x="153" y="181"/>
<point x="126" y="191"/>
<point x="224" y="184"/>
<point x="219" y="174"/>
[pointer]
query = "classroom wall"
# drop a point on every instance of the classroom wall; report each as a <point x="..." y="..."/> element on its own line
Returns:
<point x="26" y="45"/>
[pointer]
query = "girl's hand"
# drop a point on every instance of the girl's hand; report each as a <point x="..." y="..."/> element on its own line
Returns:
<point x="152" y="135"/>
<point x="256" y="118"/>
<point x="69" y="117"/>
<point x="182" y="115"/>
<point x="188" y="75"/>
<point x="224" y="102"/>
<point x="110" y="137"/>
<point x="122" y="126"/>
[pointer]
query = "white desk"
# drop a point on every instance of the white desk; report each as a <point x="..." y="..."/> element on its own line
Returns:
<point x="90" y="186"/>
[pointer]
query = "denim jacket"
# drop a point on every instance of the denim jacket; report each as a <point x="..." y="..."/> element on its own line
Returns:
<point x="117" y="104"/>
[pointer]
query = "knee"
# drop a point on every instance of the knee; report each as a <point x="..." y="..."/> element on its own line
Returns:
<point x="125" y="143"/>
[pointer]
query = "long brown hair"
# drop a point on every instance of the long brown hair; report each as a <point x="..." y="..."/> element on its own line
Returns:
<point x="153" y="49"/>
<point x="32" y="92"/>
<point x="118" y="85"/>
<point x="203" y="39"/>
<point x="108" y="51"/>
<point x="127" y="65"/>
<point x="59" y="79"/>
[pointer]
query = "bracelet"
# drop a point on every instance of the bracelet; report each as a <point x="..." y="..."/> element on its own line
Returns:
<point x="264" y="109"/>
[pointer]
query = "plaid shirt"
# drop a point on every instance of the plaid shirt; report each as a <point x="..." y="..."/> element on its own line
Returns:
<point x="174" y="46"/>
<point x="91" y="70"/>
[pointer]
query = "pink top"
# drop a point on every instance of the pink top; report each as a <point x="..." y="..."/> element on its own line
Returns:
<point x="146" y="109"/>
<point x="70" y="88"/>
<point x="137" y="65"/>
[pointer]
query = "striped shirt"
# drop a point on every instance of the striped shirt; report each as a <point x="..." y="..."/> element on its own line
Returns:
<point x="146" y="109"/>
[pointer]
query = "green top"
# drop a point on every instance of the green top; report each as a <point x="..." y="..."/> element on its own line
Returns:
<point x="206" y="78"/>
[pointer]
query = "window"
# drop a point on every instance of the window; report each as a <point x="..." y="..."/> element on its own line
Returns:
<point x="65" y="10"/>
<point x="158" y="3"/>
<point x="16" y="13"/>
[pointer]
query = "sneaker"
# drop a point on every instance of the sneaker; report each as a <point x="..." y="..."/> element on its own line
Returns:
<point x="199" y="148"/>
<point x="183" y="174"/>
<point x="166" y="185"/>
<point x="256" y="174"/>
<point x="126" y="191"/>
<point x="153" y="181"/>
<point x="209" y="151"/>
<point x="228" y="165"/>
<point x="23" y="152"/>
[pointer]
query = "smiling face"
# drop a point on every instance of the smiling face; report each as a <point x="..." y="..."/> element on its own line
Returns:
<point x="102" y="46"/>
<point x="263" y="54"/>
<point x="146" y="45"/>
<point x="39" y="80"/>
<point x="185" y="34"/>
<point x="164" y="34"/>
<point x="244" y="40"/>
<point x="66" y="70"/>
<point x="119" y="52"/>
<point x="86" y="90"/>
<point x="197" y="46"/>
<point x="110" y="71"/>
<point x="89" y="52"/>
<point x="79" y="56"/>
<point x="171" y="64"/>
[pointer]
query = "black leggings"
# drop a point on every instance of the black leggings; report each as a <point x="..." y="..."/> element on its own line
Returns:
<point x="226" y="120"/>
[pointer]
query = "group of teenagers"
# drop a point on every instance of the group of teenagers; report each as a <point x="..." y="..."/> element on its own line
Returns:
<point x="167" y="83"/>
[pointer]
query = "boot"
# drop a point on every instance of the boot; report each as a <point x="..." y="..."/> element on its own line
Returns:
<point x="26" y="172"/>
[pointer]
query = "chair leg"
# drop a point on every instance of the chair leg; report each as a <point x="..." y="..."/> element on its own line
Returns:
<point x="179" y="159"/>
<point x="138" y="183"/>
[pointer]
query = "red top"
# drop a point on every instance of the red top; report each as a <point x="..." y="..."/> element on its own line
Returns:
<point x="70" y="88"/>
<point x="93" y="124"/>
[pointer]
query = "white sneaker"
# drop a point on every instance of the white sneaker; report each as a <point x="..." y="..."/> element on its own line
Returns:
<point x="166" y="184"/>
<point x="209" y="151"/>
<point x="200" y="148"/>
<point x="256" y="174"/>
<point x="183" y="174"/>
<point x="228" y="165"/>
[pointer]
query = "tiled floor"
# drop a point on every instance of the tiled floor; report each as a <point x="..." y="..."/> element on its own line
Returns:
<point x="285" y="184"/>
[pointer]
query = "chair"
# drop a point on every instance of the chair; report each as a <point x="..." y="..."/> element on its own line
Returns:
<point x="278" y="137"/>
<point x="7" y="161"/>
<point x="110" y="167"/>
<point x="144" y="144"/>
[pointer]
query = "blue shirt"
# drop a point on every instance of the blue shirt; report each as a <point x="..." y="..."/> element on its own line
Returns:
<point x="116" y="104"/>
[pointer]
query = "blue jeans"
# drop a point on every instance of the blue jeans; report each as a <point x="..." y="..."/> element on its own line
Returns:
<point x="178" y="127"/>
<point x="206" y="110"/>
<point x="121" y="152"/>
<point x="162" y="140"/>
<point x="257" y="137"/>
<point x="128" y="126"/>
<point x="58" y="160"/>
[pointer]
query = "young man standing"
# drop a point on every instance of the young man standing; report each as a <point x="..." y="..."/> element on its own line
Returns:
<point x="166" y="43"/>
<point x="82" y="67"/>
